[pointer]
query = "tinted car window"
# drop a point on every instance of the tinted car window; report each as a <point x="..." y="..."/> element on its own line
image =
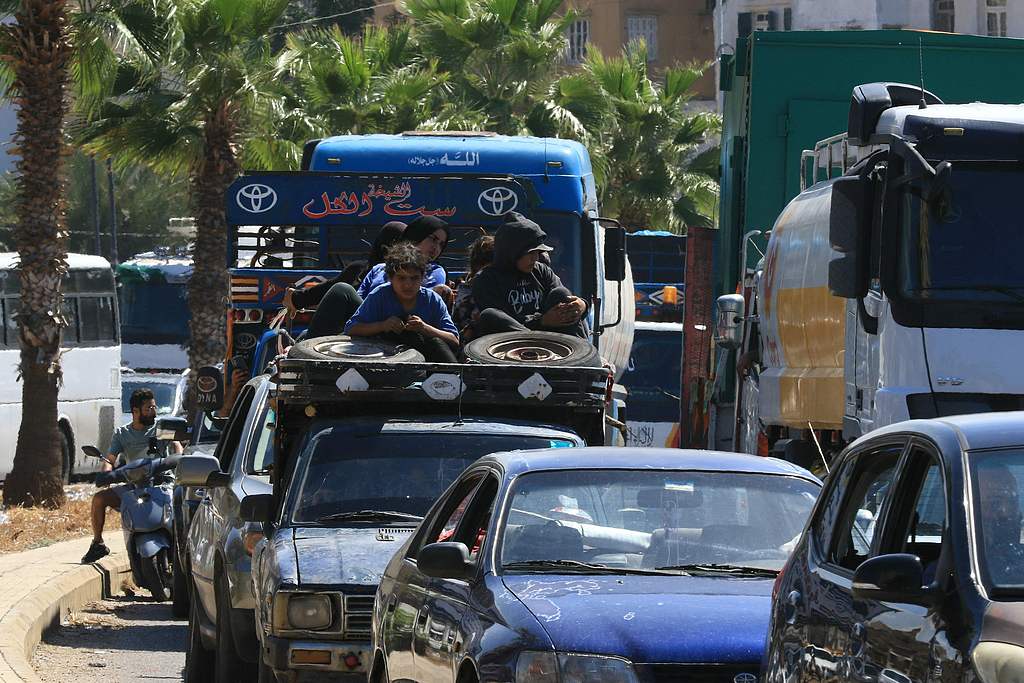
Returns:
<point x="655" y="518"/>
<point x="997" y="487"/>
<point x="870" y="487"/>
<point x="263" y="455"/>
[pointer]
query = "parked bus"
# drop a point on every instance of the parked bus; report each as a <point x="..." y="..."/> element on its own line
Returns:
<point x="90" y="395"/>
<point x="154" y="311"/>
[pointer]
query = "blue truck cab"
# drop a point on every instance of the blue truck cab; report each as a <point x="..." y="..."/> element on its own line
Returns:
<point x="294" y="229"/>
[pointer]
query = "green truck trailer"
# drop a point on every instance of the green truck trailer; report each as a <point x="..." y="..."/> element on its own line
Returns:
<point x="785" y="91"/>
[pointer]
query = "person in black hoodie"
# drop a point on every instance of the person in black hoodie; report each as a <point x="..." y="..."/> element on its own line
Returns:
<point x="517" y="292"/>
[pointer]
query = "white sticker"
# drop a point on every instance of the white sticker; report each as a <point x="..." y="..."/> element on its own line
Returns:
<point x="351" y="380"/>
<point x="535" y="386"/>
<point x="443" y="387"/>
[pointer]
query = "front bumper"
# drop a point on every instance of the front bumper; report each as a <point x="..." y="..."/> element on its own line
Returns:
<point x="346" y="657"/>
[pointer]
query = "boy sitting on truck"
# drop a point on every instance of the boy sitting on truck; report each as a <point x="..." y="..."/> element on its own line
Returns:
<point x="518" y="292"/>
<point x="406" y="311"/>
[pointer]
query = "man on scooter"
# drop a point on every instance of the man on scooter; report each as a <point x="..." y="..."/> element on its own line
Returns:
<point x="129" y="443"/>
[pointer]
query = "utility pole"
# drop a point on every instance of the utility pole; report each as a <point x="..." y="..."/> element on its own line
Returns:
<point x="96" y="206"/>
<point x="113" y="214"/>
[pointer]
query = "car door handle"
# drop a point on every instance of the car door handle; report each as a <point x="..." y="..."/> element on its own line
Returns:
<point x="392" y="602"/>
<point x="422" y="619"/>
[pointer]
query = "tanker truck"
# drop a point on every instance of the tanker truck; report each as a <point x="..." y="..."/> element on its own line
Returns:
<point x="892" y="291"/>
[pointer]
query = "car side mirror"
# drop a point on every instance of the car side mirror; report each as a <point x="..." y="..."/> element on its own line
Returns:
<point x="615" y="254"/>
<point x="258" y="507"/>
<point x="201" y="470"/>
<point x="209" y="388"/>
<point x="172" y="429"/>
<point x="849" y="231"/>
<point x="445" y="560"/>
<point x="898" y="577"/>
<point x="729" y="321"/>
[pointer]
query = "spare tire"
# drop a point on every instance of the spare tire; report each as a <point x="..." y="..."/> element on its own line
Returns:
<point x="533" y="348"/>
<point x="341" y="347"/>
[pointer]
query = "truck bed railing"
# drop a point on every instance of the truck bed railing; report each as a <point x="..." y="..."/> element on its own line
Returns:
<point x="829" y="156"/>
<point x="333" y="381"/>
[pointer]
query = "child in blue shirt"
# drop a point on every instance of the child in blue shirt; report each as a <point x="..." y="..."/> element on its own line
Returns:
<point x="405" y="311"/>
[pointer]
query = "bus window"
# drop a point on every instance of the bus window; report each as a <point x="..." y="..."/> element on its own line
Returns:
<point x="70" y="310"/>
<point x="96" y="315"/>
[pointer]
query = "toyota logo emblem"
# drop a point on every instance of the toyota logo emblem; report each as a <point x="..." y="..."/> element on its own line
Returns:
<point x="497" y="201"/>
<point x="256" y="198"/>
<point x="744" y="678"/>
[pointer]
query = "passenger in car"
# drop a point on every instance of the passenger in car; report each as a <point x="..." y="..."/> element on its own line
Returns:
<point x="518" y="292"/>
<point x="405" y="311"/>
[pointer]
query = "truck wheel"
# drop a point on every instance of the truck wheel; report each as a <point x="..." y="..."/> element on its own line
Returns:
<point x="345" y="348"/>
<point x="229" y="668"/>
<point x="198" y="660"/>
<point x="533" y="348"/>
<point x="152" y="575"/>
<point x="179" y="591"/>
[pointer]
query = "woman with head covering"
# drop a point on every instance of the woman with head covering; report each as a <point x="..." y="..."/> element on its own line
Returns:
<point x="429" y="234"/>
<point x="466" y="313"/>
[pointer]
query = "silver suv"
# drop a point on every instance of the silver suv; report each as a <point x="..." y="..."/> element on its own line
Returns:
<point x="222" y="638"/>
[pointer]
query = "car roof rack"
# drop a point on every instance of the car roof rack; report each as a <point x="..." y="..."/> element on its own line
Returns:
<point x="469" y="384"/>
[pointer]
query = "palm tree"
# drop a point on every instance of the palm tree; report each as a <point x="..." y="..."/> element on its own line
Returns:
<point x="374" y="84"/>
<point x="211" y="102"/>
<point x="503" y="58"/>
<point x="47" y="48"/>
<point x="658" y="161"/>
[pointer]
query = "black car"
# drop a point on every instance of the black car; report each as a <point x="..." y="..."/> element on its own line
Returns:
<point x="911" y="569"/>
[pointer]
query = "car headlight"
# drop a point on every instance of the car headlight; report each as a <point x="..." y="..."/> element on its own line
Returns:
<point x="569" y="667"/>
<point x="998" y="662"/>
<point x="309" y="612"/>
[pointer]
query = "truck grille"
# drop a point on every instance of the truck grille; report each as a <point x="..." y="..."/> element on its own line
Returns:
<point x="358" y="615"/>
<point x="697" y="673"/>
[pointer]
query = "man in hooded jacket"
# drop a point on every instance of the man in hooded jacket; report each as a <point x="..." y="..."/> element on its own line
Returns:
<point x="518" y="292"/>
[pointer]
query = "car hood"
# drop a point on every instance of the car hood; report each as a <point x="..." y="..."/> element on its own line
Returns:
<point x="335" y="556"/>
<point x="664" y="619"/>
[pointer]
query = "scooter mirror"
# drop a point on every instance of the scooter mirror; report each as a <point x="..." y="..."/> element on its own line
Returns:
<point x="92" y="452"/>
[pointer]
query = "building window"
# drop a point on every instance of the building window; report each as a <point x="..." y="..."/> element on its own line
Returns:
<point x="995" y="18"/>
<point x="945" y="16"/>
<point x="644" y="26"/>
<point x="579" y="36"/>
<point x="765" y="21"/>
<point x="787" y="19"/>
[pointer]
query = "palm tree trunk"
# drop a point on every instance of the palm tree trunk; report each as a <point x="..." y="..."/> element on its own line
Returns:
<point x="38" y="49"/>
<point x="208" y="286"/>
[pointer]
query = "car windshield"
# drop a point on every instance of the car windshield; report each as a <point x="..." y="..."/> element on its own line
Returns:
<point x="964" y="245"/>
<point x="997" y="478"/>
<point x="162" y="392"/>
<point x="704" y="522"/>
<point x="349" y="471"/>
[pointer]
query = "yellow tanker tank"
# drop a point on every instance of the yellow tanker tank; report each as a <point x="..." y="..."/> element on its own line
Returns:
<point x="801" y="323"/>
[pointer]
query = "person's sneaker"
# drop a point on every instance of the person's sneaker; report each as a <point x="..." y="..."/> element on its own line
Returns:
<point x="96" y="551"/>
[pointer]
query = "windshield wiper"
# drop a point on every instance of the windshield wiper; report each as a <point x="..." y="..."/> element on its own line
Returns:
<point x="573" y="566"/>
<point x="736" y="569"/>
<point x="369" y="516"/>
<point x="1001" y="289"/>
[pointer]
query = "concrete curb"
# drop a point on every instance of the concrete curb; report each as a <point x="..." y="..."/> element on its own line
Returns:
<point x="23" y="625"/>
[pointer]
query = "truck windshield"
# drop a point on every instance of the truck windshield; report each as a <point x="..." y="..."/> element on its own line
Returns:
<point x="154" y="313"/>
<point x="348" y="471"/>
<point x="965" y="247"/>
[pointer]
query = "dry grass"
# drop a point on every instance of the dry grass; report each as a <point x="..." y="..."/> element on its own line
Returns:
<point x="27" y="528"/>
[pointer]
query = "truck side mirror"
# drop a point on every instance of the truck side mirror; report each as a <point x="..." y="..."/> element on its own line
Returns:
<point x="729" y="321"/>
<point x="615" y="254"/>
<point x="849" y="233"/>
<point x="209" y="388"/>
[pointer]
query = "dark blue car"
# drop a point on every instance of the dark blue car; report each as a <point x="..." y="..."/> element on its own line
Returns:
<point x="593" y="564"/>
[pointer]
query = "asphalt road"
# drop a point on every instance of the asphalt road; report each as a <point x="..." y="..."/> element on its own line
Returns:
<point x="120" y="640"/>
